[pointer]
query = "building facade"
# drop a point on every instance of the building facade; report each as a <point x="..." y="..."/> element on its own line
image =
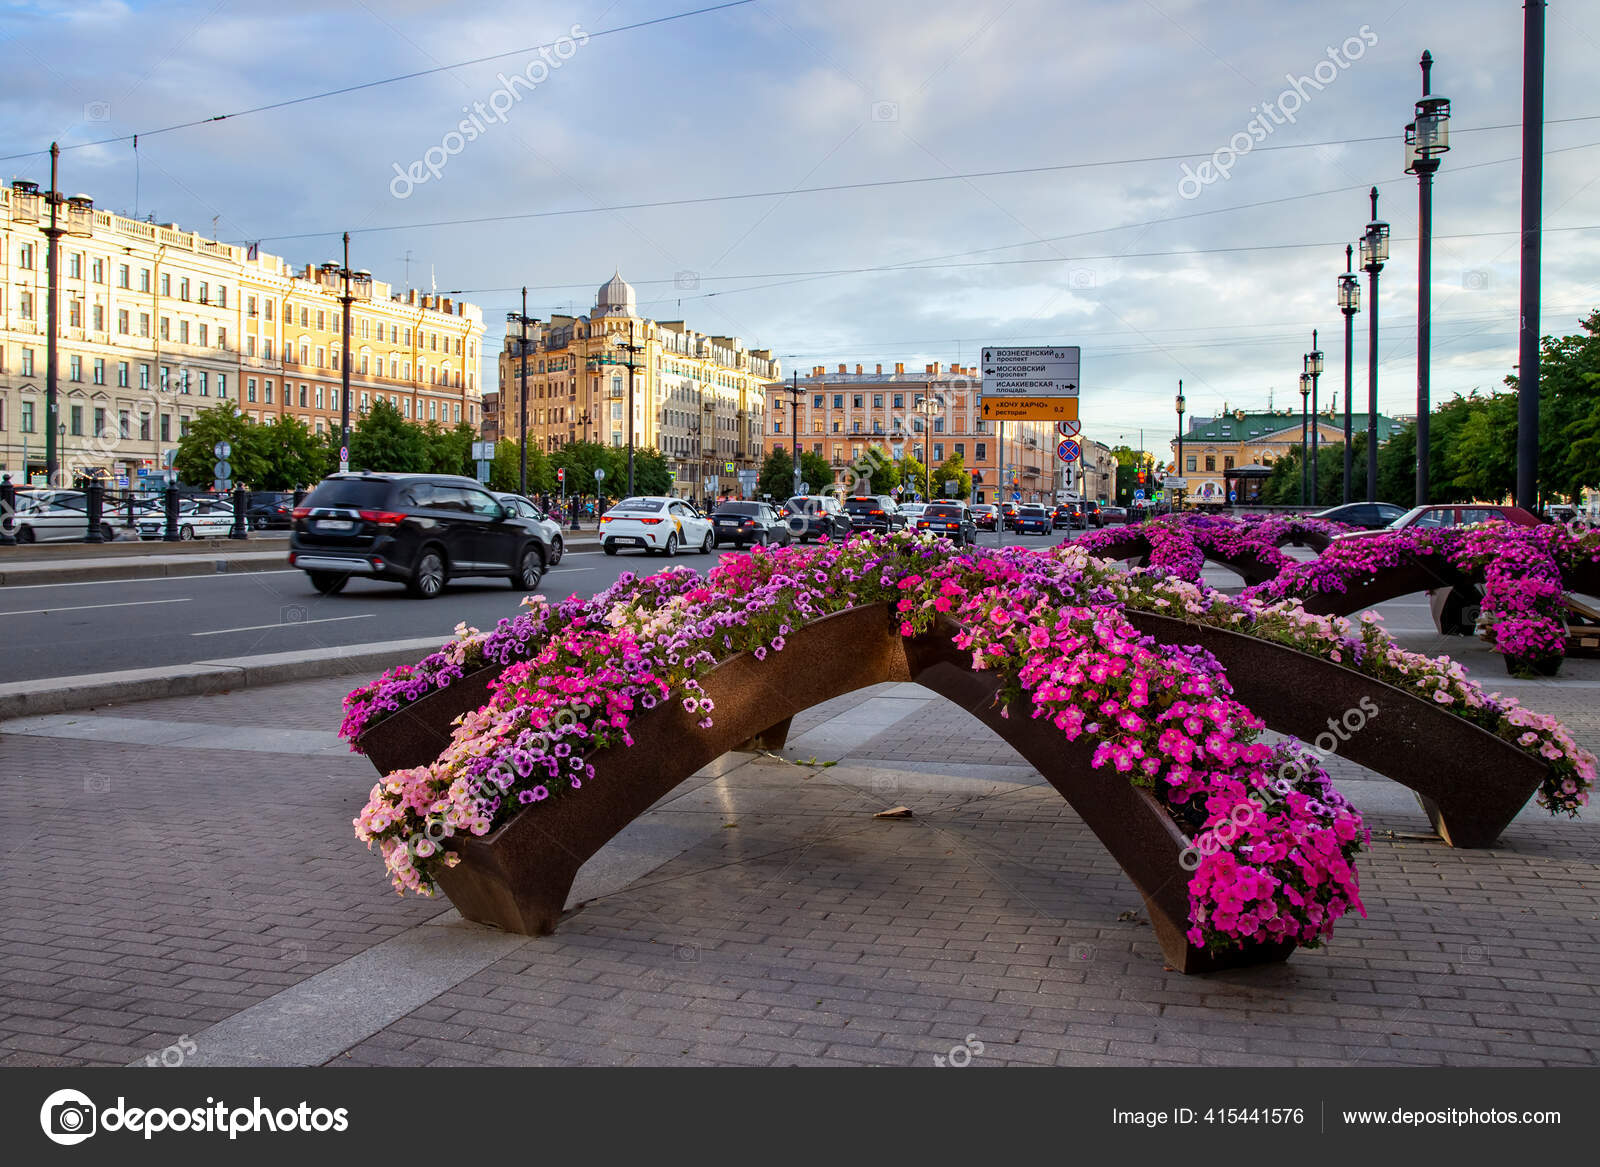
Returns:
<point x="699" y="399"/>
<point x="1233" y="440"/>
<point x="156" y="323"/>
<point x="933" y="415"/>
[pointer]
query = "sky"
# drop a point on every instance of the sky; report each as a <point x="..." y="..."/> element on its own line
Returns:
<point x="1030" y="172"/>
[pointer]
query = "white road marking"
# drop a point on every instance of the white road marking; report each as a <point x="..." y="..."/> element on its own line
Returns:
<point x="284" y="624"/>
<point x="100" y="583"/>
<point x="93" y="607"/>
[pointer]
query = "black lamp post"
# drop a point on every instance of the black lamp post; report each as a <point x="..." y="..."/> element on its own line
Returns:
<point x="356" y="285"/>
<point x="794" y="389"/>
<point x="1349" y="304"/>
<point x="1177" y="495"/>
<point x="68" y="216"/>
<point x="522" y="320"/>
<point x="1313" y="366"/>
<point x="1532" y="254"/>
<point x="628" y="346"/>
<point x="1427" y="140"/>
<point x="1374" y="251"/>
<point x="1305" y="396"/>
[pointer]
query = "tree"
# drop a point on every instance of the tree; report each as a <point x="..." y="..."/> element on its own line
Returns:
<point x="293" y="456"/>
<point x="777" y="475"/>
<point x="449" y="451"/>
<point x="196" y="450"/>
<point x="954" y="470"/>
<point x="1569" y="395"/>
<point x="581" y="460"/>
<point x="815" y="471"/>
<point x="913" y="476"/>
<point x="651" y="474"/>
<point x="384" y="440"/>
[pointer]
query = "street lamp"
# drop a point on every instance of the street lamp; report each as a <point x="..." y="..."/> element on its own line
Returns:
<point x="357" y="286"/>
<point x="628" y="346"/>
<point x="1313" y="366"/>
<point x="794" y="389"/>
<point x="1427" y="140"/>
<point x="72" y="216"/>
<point x="1178" y="494"/>
<point x="1305" y="396"/>
<point x="1374" y="251"/>
<point x="1349" y="304"/>
<point x="522" y="319"/>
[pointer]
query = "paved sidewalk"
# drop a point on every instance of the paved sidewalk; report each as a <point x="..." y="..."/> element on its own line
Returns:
<point x="185" y="867"/>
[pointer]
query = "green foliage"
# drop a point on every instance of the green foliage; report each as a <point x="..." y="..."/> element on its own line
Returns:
<point x="505" y="472"/>
<point x="221" y="423"/>
<point x="582" y="459"/>
<point x="777" y="475"/>
<point x="293" y="456"/>
<point x="384" y="440"/>
<point x="954" y="469"/>
<point x="449" y="451"/>
<point x="651" y="475"/>
<point x="815" y="471"/>
<point x="913" y="477"/>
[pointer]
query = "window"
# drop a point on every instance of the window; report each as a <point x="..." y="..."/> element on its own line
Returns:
<point x="320" y="321"/>
<point x="899" y="400"/>
<point x="166" y="284"/>
<point x="75" y="314"/>
<point x="122" y="321"/>
<point x="250" y="389"/>
<point x="205" y="383"/>
<point x="144" y="324"/>
<point x="250" y="306"/>
<point x="183" y="332"/>
<point x="144" y="279"/>
<point x="183" y="427"/>
<point x="166" y="427"/>
<point x="266" y="390"/>
<point x="144" y="376"/>
<point x="1227" y="461"/>
<point x="305" y="318"/>
<point x="25" y="256"/>
<point x="268" y="307"/>
<point x="222" y="384"/>
<point x="99" y="371"/>
<point x="122" y="374"/>
<point x="27" y="417"/>
<point x="97" y="269"/>
<point x="183" y="288"/>
<point x="75" y="265"/>
<point x="1211" y="462"/>
<point x="144" y="427"/>
<point x="25" y="305"/>
<point x="838" y="400"/>
<point x="166" y="377"/>
<point x="938" y="451"/>
<point x="857" y="400"/>
<point x="222" y="338"/>
<point x="319" y="397"/>
<point x="981" y="451"/>
<point x="166" y="329"/>
<point x="303" y="391"/>
<point x="961" y="450"/>
<point x="124" y="424"/>
<point x="122" y="275"/>
<point x="205" y="293"/>
<point x="75" y="415"/>
<point x="77" y="368"/>
<point x="1189" y="463"/>
<point x="222" y="296"/>
<point x="98" y="315"/>
<point x="202" y="336"/>
<point x="100" y="422"/>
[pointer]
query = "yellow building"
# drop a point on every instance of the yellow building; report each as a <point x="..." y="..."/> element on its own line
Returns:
<point x="157" y="323"/>
<point x="697" y="398"/>
<point x="1212" y="446"/>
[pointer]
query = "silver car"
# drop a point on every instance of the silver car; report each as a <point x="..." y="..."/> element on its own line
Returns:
<point x="524" y="508"/>
<point x="46" y="516"/>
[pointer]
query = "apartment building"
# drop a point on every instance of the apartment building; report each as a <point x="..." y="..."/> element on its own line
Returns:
<point x="932" y="416"/>
<point x="156" y="323"/>
<point x="697" y="398"/>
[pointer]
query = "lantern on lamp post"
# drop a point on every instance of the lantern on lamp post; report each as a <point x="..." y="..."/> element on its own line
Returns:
<point x="1427" y="141"/>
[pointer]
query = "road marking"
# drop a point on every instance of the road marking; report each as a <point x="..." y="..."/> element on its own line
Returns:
<point x="100" y="583"/>
<point x="92" y="607"/>
<point x="284" y="624"/>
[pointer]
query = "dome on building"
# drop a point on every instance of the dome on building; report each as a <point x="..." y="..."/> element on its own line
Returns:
<point x="615" y="298"/>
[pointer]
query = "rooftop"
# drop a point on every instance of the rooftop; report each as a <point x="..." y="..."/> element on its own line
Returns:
<point x="1242" y="426"/>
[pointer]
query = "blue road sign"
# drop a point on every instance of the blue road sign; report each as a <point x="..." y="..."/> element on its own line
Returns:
<point x="1068" y="450"/>
<point x="1139" y="495"/>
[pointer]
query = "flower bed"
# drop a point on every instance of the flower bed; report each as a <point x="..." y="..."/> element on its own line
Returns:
<point x="1179" y="544"/>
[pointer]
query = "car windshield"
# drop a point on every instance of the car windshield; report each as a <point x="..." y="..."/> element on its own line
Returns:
<point x="350" y="492"/>
<point x="639" y="504"/>
<point x="1408" y="518"/>
<point x="739" y="508"/>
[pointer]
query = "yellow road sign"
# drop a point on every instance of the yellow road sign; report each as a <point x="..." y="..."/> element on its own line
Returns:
<point x="1030" y="409"/>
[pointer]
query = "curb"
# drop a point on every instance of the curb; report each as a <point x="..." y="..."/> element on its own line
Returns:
<point x="63" y="694"/>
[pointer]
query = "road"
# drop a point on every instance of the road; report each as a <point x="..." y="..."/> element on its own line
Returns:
<point x="57" y="630"/>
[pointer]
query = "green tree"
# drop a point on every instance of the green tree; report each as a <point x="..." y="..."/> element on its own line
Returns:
<point x="1569" y="394"/>
<point x="954" y="470"/>
<point x="651" y="474"/>
<point x="292" y="455"/>
<point x="505" y="472"/>
<point x="913" y="477"/>
<point x="581" y="460"/>
<point x="777" y="475"/>
<point x="815" y="471"/>
<point x="196" y="450"/>
<point x="449" y="451"/>
<point x="384" y="440"/>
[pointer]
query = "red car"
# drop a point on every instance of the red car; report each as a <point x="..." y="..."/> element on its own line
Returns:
<point x="1450" y="515"/>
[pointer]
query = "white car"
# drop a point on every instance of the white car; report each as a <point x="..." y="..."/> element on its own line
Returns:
<point x="912" y="511"/>
<point x="525" y="508"/>
<point x="655" y="523"/>
<point x="52" y="515"/>
<point x="200" y="519"/>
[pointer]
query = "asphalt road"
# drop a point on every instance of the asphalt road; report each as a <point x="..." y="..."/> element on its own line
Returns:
<point x="56" y="630"/>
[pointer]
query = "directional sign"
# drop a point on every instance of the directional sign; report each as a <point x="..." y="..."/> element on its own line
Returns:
<point x="1031" y="372"/>
<point x="483" y="469"/>
<point x="1138" y="496"/>
<point x="1069" y="429"/>
<point x="482" y="451"/>
<point x="222" y="469"/>
<point x="1233" y="496"/>
<point x="1055" y="409"/>
<point x="222" y="450"/>
<point x="1068" y="450"/>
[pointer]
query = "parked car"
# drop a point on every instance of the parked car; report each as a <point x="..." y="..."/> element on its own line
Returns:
<point x="420" y="529"/>
<point x="1371" y="515"/>
<point x="1450" y="515"/>
<point x="526" y="508"/>
<point x="1560" y="512"/>
<point x="811" y="516"/>
<point x="655" y="523"/>
<point x="875" y="512"/>
<point x="952" y="520"/>
<point x="1114" y="514"/>
<point x="1033" y="519"/>
<point x="198" y="518"/>
<point x="270" y="514"/>
<point x="986" y="515"/>
<point x="744" y="523"/>
<point x="50" y="516"/>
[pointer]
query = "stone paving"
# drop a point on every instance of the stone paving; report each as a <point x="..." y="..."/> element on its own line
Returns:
<point x="762" y="916"/>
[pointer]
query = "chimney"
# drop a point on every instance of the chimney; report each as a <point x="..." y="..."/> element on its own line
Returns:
<point x="858" y="370"/>
<point x="880" y="368"/>
<point x="841" y="368"/>
<point x="816" y="370"/>
<point x="934" y="368"/>
<point x="899" y="367"/>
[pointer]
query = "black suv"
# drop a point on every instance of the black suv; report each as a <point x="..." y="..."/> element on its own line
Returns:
<point x="874" y="512"/>
<point x="420" y="529"/>
<point x="811" y="516"/>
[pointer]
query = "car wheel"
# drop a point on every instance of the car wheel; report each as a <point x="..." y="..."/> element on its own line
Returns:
<point x="766" y="538"/>
<point x="609" y="548"/>
<point x="671" y="548"/>
<point x="329" y="583"/>
<point x="529" y="571"/>
<point x="24" y="534"/>
<point x="557" y="551"/>
<point x="427" y="578"/>
<point x="186" y="532"/>
<point x="106" y="532"/>
<point x="705" y="544"/>
<point x="259" y="523"/>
